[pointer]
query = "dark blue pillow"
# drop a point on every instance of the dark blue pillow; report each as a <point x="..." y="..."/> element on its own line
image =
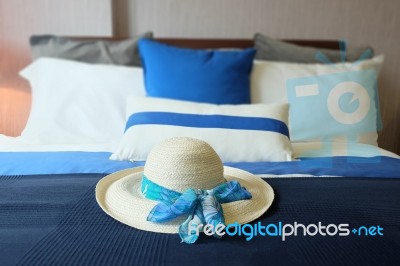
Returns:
<point x="210" y="76"/>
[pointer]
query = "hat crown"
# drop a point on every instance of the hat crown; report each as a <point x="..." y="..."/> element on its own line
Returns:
<point x="183" y="163"/>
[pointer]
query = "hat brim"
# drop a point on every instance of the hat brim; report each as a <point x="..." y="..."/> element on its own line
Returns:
<point x="119" y="196"/>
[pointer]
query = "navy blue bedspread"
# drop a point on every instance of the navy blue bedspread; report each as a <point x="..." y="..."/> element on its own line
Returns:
<point x="55" y="220"/>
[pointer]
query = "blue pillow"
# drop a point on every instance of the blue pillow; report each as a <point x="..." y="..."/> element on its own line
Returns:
<point x="210" y="76"/>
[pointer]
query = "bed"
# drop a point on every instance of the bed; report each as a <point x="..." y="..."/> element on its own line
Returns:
<point x="49" y="214"/>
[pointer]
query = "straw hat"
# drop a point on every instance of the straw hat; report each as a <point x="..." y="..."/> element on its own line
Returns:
<point x="179" y="164"/>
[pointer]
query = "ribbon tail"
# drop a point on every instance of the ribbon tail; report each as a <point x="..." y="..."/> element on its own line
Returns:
<point x="213" y="213"/>
<point x="189" y="230"/>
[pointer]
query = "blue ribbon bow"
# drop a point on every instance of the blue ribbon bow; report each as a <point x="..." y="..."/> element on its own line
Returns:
<point x="202" y="206"/>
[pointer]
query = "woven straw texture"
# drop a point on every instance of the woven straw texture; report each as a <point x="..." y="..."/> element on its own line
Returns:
<point x="179" y="164"/>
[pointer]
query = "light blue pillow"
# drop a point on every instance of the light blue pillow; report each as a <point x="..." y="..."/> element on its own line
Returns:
<point x="340" y="106"/>
<point x="210" y="76"/>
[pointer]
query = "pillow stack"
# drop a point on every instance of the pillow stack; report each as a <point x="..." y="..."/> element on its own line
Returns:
<point x="244" y="108"/>
<point x="203" y="94"/>
<point x="328" y="102"/>
<point x="79" y="89"/>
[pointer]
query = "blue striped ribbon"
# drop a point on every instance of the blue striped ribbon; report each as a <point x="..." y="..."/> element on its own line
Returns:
<point x="202" y="206"/>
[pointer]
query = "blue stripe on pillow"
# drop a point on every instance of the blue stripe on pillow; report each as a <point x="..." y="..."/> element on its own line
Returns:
<point x="208" y="121"/>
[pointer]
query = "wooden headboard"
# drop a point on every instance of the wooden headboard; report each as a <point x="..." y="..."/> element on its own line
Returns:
<point x="15" y="97"/>
<point x="223" y="43"/>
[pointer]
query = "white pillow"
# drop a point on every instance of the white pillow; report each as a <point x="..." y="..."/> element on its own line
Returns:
<point x="271" y="81"/>
<point x="75" y="102"/>
<point x="238" y="133"/>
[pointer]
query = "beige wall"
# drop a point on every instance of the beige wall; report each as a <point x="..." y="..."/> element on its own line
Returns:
<point x="21" y="18"/>
<point x="361" y="22"/>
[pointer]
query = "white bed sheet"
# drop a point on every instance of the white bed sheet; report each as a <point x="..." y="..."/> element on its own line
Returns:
<point x="18" y="144"/>
<point x="301" y="149"/>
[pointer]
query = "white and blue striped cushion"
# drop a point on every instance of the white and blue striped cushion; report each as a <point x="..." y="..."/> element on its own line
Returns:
<point x="238" y="133"/>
